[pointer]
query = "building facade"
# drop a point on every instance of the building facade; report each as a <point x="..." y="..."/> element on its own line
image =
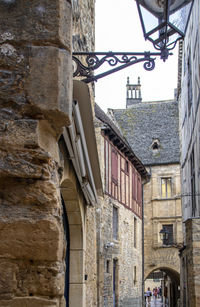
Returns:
<point x="120" y="217"/>
<point x="49" y="171"/>
<point x="189" y="100"/>
<point x="152" y="131"/>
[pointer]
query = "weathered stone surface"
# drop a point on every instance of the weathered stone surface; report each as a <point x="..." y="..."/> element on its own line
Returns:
<point x="24" y="81"/>
<point x="34" y="164"/>
<point x="36" y="195"/>
<point x="13" y="70"/>
<point x="52" y="95"/>
<point x="40" y="279"/>
<point x="17" y="133"/>
<point x="40" y="239"/>
<point x="30" y="302"/>
<point x="8" y="282"/>
<point x="37" y="21"/>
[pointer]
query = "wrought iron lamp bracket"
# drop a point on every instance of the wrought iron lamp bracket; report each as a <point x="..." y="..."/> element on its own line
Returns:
<point x="85" y="63"/>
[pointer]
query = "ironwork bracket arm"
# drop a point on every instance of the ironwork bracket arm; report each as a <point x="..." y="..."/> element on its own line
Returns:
<point x="94" y="60"/>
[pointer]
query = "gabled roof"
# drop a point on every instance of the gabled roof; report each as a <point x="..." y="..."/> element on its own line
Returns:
<point x="119" y="140"/>
<point x="149" y="121"/>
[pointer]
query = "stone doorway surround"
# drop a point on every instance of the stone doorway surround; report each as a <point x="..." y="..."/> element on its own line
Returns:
<point x="75" y="212"/>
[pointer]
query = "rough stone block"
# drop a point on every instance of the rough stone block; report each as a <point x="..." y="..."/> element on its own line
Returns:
<point x="17" y="133"/>
<point x="37" y="21"/>
<point x="26" y="164"/>
<point x="32" y="195"/>
<point x="30" y="302"/>
<point x="13" y="71"/>
<point x="8" y="282"/>
<point x="38" y="80"/>
<point x="49" y="83"/>
<point x="39" y="239"/>
<point x="40" y="279"/>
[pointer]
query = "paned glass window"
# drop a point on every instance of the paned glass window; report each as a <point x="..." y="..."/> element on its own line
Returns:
<point x="166" y="187"/>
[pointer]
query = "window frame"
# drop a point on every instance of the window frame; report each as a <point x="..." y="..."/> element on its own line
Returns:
<point x="115" y="223"/>
<point x="170" y="240"/>
<point x="165" y="179"/>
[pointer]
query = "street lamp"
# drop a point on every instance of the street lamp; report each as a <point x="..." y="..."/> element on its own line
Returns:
<point x="164" y="22"/>
<point x="164" y="234"/>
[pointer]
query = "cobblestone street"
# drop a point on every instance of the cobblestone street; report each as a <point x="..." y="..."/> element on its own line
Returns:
<point x="156" y="303"/>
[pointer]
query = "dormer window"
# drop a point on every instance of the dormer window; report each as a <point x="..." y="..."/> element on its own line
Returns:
<point x="155" y="145"/>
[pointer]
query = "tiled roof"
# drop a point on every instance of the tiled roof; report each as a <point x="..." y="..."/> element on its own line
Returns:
<point x="114" y="132"/>
<point x="146" y="122"/>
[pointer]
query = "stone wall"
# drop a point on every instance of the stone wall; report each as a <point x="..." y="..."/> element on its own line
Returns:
<point x="129" y="287"/>
<point x="189" y="102"/>
<point x="33" y="110"/>
<point x="158" y="211"/>
<point x="192" y="253"/>
<point x="35" y="105"/>
<point x="123" y="250"/>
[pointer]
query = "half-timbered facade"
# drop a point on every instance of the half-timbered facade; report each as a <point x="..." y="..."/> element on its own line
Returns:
<point x="122" y="180"/>
<point x="119" y="217"/>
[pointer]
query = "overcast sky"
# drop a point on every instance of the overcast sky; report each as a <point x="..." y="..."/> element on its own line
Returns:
<point x="118" y="28"/>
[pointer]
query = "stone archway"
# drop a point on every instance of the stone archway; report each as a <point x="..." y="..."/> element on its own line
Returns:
<point x="74" y="210"/>
<point x="170" y="285"/>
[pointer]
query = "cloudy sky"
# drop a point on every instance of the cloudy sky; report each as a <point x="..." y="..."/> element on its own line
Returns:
<point x="118" y="29"/>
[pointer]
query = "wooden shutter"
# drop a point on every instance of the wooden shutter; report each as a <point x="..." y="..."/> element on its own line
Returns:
<point x="133" y="185"/>
<point x="114" y="166"/>
<point x="139" y="191"/>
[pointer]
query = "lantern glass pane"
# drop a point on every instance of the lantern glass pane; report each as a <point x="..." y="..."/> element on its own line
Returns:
<point x="180" y="17"/>
<point x="150" y="21"/>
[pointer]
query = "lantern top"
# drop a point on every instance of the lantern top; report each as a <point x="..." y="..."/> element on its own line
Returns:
<point x="158" y="7"/>
<point x="164" y="22"/>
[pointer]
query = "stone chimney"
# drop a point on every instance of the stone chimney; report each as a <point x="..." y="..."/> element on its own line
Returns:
<point x="133" y="93"/>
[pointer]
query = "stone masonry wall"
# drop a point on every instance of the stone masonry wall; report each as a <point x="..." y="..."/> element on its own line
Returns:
<point x="128" y="286"/>
<point x="193" y="263"/>
<point x="158" y="211"/>
<point x="35" y="103"/>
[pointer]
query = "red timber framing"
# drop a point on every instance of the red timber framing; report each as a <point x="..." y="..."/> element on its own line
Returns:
<point x="122" y="181"/>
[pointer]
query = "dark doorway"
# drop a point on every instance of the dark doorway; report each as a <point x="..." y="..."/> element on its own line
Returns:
<point x="115" y="303"/>
<point x="67" y="256"/>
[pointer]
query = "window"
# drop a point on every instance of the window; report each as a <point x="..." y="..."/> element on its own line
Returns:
<point x="107" y="266"/>
<point x="114" y="166"/>
<point x="135" y="275"/>
<point x="115" y="223"/>
<point x="135" y="232"/>
<point x="126" y="167"/>
<point x="166" y="187"/>
<point x="134" y="185"/>
<point x="168" y="238"/>
<point x="192" y="182"/>
<point x="139" y="191"/>
<point x="189" y="81"/>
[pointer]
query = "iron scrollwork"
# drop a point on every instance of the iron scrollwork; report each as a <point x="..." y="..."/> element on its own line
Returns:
<point x="94" y="60"/>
